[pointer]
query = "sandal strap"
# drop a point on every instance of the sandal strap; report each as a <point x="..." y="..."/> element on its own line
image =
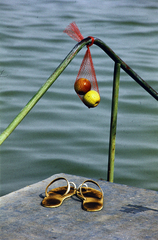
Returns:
<point x="73" y="185"/>
<point x="60" y="178"/>
<point x="84" y="183"/>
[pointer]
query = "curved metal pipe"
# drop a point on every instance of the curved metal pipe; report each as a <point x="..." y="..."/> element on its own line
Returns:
<point x="43" y="89"/>
<point x="126" y="68"/>
<point x="61" y="68"/>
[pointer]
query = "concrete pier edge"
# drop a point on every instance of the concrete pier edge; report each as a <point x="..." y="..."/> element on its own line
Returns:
<point x="128" y="213"/>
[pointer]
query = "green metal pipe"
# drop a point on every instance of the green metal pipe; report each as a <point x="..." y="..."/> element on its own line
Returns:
<point x="43" y="89"/>
<point x="114" y="108"/>
<point x="119" y="63"/>
<point x="126" y="68"/>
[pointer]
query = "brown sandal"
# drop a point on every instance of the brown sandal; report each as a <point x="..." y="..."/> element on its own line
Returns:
<point x="55" y="197"/>
<point x="92" y="198"/>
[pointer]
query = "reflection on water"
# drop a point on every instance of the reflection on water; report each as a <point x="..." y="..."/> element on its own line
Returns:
<point x="60" y="134"/>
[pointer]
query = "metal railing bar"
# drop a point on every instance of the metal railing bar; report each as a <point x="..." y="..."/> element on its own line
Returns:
<point x="113" y="126"/>
<point x="126" y="68"/>
<point x="119" y="63"/>
<point x="43" y="89"/>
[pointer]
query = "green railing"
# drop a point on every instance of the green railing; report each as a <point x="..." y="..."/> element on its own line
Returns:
<point x="118" y="64"/>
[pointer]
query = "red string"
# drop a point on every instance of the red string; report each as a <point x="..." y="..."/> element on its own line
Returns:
<point x="87" y="68"/>
<point x="90" y="44"/>
<point x="73" y="31"/>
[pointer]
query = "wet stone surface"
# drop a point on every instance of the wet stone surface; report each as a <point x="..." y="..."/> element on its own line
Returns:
<point x="128" y="213"/>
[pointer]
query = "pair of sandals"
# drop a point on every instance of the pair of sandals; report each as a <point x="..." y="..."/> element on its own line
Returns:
<point x="92" y="198"/>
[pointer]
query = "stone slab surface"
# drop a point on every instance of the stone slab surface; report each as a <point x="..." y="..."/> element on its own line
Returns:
<point x="128" y="213"/>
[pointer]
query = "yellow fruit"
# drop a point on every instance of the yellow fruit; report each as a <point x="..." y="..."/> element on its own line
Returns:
<point x="91" y="99"/>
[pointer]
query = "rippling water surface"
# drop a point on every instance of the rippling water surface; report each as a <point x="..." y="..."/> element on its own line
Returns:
<point x="60" y="134"/>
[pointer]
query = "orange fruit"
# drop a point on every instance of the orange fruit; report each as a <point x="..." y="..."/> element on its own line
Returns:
<point x="82" y="86"/>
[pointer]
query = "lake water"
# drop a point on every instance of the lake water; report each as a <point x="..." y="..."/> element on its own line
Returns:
<point x="60" y="134"/>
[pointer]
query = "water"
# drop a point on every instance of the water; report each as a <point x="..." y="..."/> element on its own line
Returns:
<point x="60" y="134"/>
